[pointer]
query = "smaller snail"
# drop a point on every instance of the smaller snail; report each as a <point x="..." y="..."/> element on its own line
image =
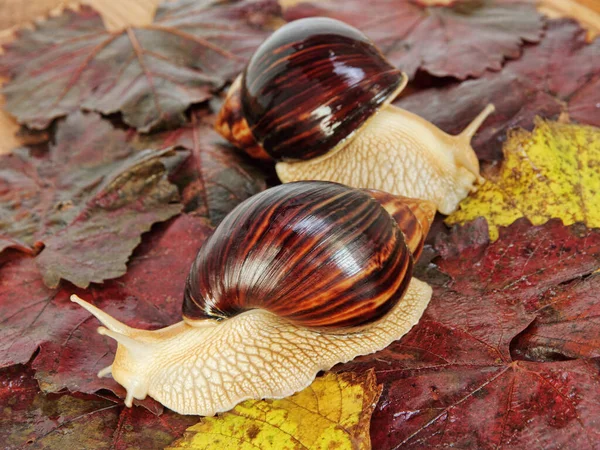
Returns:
<point x="316" y="97"/>
<point x="293" y="281"/>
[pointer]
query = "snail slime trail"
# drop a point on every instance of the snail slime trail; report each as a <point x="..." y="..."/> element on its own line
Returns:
<point x="294" y="280"/>
<point x="316" y="98"/>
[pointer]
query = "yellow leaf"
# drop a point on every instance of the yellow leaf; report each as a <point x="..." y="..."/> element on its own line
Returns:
<point x="551" y="172"/>
<point x="332" y="413"/>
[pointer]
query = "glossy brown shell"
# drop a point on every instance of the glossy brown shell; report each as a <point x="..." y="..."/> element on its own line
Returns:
<point x="320" y="254"/>
<point x="311" y="84"/>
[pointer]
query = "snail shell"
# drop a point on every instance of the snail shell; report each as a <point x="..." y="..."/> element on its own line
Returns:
<point x="321" y="255"/>
<point x="308" y="87"/>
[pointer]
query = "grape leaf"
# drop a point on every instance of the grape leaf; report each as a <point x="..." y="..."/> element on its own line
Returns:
<point x="150" y="74"/>
<point x="86" y="202"/>
<point x="552" y="172"/>
<point x="71" y="352"/>
<point x="333" y="412"/>
<point x="33" y="420"/>
<point x="452" y="380"/>
<point x="561" y="75"/>
<point x="216" y="177"/>
<point x="463" y="39"/>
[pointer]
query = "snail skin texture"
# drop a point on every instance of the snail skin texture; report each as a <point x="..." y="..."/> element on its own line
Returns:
<point x="294" y="280"/>
<point x="316" y="97"/>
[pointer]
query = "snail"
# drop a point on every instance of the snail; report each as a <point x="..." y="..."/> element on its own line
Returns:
<point x="293" y="281"/>
<point x="316" y="95"/>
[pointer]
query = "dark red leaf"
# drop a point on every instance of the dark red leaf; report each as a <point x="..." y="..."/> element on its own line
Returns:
<point x="560" y="75"/>
<point x="86" y="202"/>
<point x="567" y="323"/>
<point x="150" y="74"/>
<point x="452" y="381"/>
<point x="461" y="40"/>
<point x="217" y="177"/>
<point x="33" y="420"/>
<point x="71" y="352"/>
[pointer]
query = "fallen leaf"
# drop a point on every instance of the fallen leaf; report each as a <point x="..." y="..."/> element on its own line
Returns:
<point x="452" y="381"/>
<point x="71" y="352"/>
<point x="150" y="74"/>
<point x="33" y="420"/>
<point x="463" y="39"/>
<point x="216" y="177"/>
<point x="566" y="324"/>
<point x="86" y="202"/>
<point x="552" y="172"/>
<point x="560" y="76"/>
<point x="333" y="412"/>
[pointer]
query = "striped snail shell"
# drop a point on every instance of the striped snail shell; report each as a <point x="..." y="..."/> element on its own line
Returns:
<point x="319" y="254"/>
<point x="293" y="281"/>
<point x="316" y="97"/>
<point x="307" y="88"/>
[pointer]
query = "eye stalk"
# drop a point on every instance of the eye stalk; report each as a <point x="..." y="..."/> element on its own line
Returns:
<point x="316" y="97"/>
<point x="293" y="281"/>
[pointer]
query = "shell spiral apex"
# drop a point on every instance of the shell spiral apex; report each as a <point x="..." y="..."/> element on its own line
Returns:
<point x="293" y="281"/>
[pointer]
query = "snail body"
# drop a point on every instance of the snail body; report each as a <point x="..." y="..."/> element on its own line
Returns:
<point x="316" y="98"/>
<point x="293" y="281"/>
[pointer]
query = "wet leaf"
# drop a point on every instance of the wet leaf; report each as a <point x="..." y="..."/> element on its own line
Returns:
<point x="552" y="172"/>
<point x="150" y="74"/>
<point x="452" y="380"/>
<point x="560" y="76"/>
<point x="86" y="202"/>
<point x="149" y="296"/>
<point x="461" y="40"/>
<point x="216" y="177"/>
<point x="333" y="412"/>
<point x="32" y="420"/>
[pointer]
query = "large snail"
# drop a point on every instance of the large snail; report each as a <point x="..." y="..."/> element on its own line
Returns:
<point x="293" y="281"/>
<point x="316" y="97"/>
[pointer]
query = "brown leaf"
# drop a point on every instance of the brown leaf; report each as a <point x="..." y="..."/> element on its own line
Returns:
<point x="461" y="40"/>
<point x="216" y="177"/>
<point x="86" y="202"/>
<point x="453" y="381"/>
<point x="32" y="420"/>
<point x="561" y="75"/>
<point x="150" y="74"/>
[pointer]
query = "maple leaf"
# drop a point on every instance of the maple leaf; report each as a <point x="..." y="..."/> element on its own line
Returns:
<point x="86" y="202"/>
<point x="460" y="40"/>
<point x="561" y="75"/>
<point x="452" y="380"/>
<point x="552" y="172"/>
<point x="150" y="74"/>
<point x="216" y="177"/>
<point x="333" y="412"/>
<point x="33" y="420"/>
<point x="71" y="352"/>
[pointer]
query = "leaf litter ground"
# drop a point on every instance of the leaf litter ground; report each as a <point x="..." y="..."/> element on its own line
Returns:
<point x="506" y="355"/>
